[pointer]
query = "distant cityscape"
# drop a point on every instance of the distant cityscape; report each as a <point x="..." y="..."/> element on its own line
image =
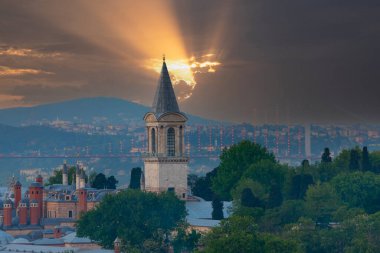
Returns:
<point x="289" y="143"/>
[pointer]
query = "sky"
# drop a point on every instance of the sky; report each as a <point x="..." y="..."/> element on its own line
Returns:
<point x="254" y="61"/>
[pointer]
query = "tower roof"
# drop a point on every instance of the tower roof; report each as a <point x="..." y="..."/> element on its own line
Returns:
<point x="165" y="99"/>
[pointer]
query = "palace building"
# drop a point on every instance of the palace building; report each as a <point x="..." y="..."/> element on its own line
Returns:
<point x="165" y="163"/>
<point x="48" y="206"/>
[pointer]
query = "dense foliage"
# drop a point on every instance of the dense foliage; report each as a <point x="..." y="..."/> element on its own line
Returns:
<point x="234" y="162"/>
<point x="141" y="220"/>
<point x="57" y="177"/>
<point x="330" y="206"/>
<point x="241" y="234"/>
<point x="102" y="182"/>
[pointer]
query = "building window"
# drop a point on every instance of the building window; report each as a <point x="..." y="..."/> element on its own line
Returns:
<point x="171" y="142"/>
<point x="70" y="214"/>
<point x="183" y="195"/>
<point x="153" y="138"/>
<point x="171" y="189"/>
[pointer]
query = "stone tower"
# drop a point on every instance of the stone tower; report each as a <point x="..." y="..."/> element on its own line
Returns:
<point x="165" y="163"/>
<point x="17" y="193"/>
<point x="77" y="177"/>
<point x="65" y="180"/>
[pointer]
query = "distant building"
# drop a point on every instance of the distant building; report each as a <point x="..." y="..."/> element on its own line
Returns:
<point x="165" y="164"/>
<point x="45" y="207"/>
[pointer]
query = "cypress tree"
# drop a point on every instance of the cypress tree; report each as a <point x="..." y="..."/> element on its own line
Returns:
<point x="217" y="209"/>
<point x="135" y="178"/>
<point x="305" y="163"/>
<point x="326" y="156"/>
<point x="366" y="164"/>
<point x="354" y="160"/>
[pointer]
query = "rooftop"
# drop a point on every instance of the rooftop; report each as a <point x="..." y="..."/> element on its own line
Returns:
<point x="165" y="99"/>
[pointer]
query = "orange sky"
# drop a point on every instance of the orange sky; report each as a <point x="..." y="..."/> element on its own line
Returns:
<point x="246" y="61"/>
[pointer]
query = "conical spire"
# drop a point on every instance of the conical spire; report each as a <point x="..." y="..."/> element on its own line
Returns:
<point x="165" y="99"/>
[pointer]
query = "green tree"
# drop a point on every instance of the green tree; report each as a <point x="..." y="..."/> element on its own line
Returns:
<point x="138" y="218"/>
<point x="217" y="209"/>
<point x="235" y="234"/>
<point x="275" y="244"/>
<point x="185" y="240"/>
<point x="272" y="176"/>
<point x="321" y="203"/>
<point x="91" y="177"/>
<point x="246" y="205"/>
<point x="248" y="199"/>
<point x="374" y="157"/>
<point x="100" y="181"/>
<point x="240" y="234"/>
<point x="326" y="156"/>
<point x="234" y="162"/>
<point x="57" y="177"/>
<point x="366" y="163"/>
<point x="289" y="212"/>
<point x="305" y="163"/>
<point x="366" y="233"/>
<point x="358" y="189"/>
<point x="202" y="186"/>
<point x="326" y="171"/>
<point x="354" y="160"/>
<point x="135" y="178"/>
<point x="299" y="185"/>
<point x="111" y="182"/>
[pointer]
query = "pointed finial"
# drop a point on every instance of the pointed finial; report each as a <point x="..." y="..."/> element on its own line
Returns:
<point x="163" y="57"/>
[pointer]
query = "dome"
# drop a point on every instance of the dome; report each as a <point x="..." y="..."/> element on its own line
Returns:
<point x="18" y="183"/>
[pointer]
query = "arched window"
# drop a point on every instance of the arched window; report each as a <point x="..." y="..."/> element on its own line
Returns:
<point x="153" y="138"/>
<point x="171" y="142"/>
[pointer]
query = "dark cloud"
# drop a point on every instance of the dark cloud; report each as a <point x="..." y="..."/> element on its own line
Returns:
<point x="282" y="61"/>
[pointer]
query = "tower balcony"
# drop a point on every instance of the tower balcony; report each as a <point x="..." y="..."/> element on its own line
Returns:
<point x="164" y="157"/>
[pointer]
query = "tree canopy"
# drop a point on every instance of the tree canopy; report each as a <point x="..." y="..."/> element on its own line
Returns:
<point x="234" y="162"/>
<point x="240" y="234"/>
<point x="102" y="182"/>
<point x="56" y="178"/>
<point x="329" y="206"/>
<point x="137" y="218"/>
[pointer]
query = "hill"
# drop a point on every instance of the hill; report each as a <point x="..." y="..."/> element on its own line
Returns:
<point x="96" y="110"/>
